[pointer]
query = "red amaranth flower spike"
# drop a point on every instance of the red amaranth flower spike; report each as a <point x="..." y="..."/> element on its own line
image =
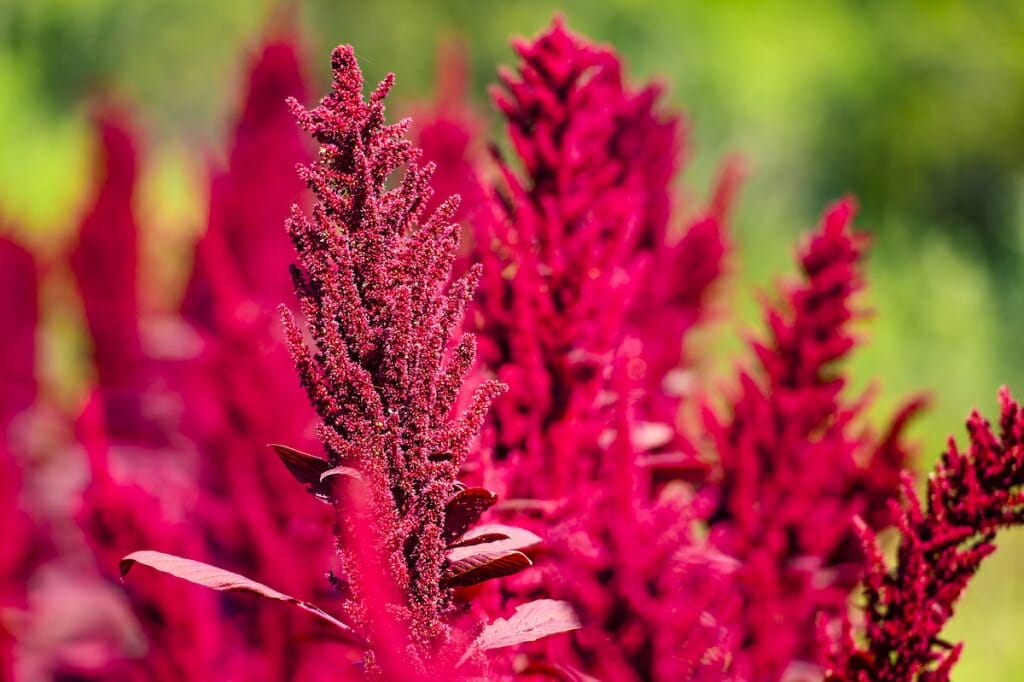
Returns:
<point x="792" y="464"/>
<point x="568" y="244"/>
<point x="244" y="244"/>
<point x="105" y="263"/>
<point x="971" y="495"/>
<point x="141" y="491"/>
<point x="105" y="260"/>
<point x="561" y="249"/>
<point x="372" y="283"/>
<point x="117" y="514"/>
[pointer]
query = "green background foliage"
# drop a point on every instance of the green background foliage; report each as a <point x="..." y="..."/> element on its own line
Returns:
<point x="917" y="108"/>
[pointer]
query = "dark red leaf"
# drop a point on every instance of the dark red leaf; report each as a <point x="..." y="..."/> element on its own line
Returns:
<point x="483" y="565"/>
<point x="226" y="581"/>
<point x="307" y="469"/>
<point x="464" y="509"/>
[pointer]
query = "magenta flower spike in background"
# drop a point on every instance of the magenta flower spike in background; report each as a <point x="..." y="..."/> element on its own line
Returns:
<point x="792" y="466"/>
<point x="121" y="436"/>
<point x="240" y="393"/>
<point x="585" y="258"/>
<point x="19" y="318"/>
<point x="105" y="263"/>
<point x="249" y="200"/>
<point x="560" y="250"/>
<point x="449" y="133"/>
<point x="971" y="495"/>
<point x="141" y="489"/>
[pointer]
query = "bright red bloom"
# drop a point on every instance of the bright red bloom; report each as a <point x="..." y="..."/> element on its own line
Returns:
<point x="971" y="495"/>
<point x="243" y="258"/>
<point x="385" y="376"/>
<point x="105" y="263"/>
<point x="140" y="489"/>
<point x="792" y="466"/>
<point x="561" y="249"/>
<point x="580" y="257"/>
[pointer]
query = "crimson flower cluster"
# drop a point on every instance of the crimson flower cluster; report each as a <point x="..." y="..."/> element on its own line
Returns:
<point x="138" y="491"/>
<point x="792" y="468"/>
<point x="385" y="373"/>
<point x="105" y="260"/>
<point x="971" y="495"/>
<point x="585" y="274"/>
<point x="566" y="250"/>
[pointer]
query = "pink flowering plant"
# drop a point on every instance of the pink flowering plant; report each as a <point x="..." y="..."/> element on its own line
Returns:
<point x="494" y="452"/>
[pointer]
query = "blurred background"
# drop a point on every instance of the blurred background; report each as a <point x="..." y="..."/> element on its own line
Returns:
<point x="915" y="108"/>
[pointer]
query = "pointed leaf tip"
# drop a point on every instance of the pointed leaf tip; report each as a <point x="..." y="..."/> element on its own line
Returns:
<point x="307" y="469"/>
<point x="223" y="580"/>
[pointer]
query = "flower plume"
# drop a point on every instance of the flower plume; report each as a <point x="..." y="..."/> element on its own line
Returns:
<point x="386" y="372"/>
<point x="971" y="495"/>
<point x="563" y="247"/>
<point x="792" y="469"/>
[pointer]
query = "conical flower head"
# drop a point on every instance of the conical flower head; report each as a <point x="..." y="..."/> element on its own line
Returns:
<point x="384" y="374"/>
